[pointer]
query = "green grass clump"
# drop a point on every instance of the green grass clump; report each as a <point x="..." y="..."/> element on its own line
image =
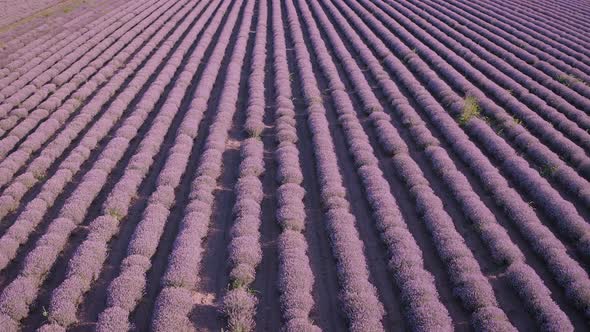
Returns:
<point x="471" y="109"/>
<point x="115" y="214"/>
<point x="569" y="80"/>
<point x="548" y="170"/>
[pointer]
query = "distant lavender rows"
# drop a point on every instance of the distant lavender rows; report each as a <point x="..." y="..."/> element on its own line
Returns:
<point x="14" y="10"/>
<point x="22" y="41"/>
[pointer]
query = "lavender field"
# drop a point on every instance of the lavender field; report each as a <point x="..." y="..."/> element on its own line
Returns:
<point x="295" y="165"/>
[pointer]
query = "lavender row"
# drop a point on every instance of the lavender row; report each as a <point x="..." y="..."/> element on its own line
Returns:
<point x="62" y="58"/>
<point x="562" y="211"/>
<point x="295" y="275"/>
<point x="470" y="285"/>
<point x="175" y="302"/>
<point x="87" y="262"/>
<point x="30" y="52"/>
<point x="538" y="61"/>
<point x="567" y="51"/>
<point x="26" y="51"/>
<point x="359" y="297"/>
<point x="540" y="154"/>
<point x="38" y="167"/>
<point x="488" y="64"/>
<point x="566" y="271"/>
<point x="17" y="48"/>
<point x="254" y="124"/>
<point x="245" y="252"/>
<point x="493" y="235"/>
<point x="9" y="121"/>
<point x="39" y="261"/>
<point x="76" y="96"/>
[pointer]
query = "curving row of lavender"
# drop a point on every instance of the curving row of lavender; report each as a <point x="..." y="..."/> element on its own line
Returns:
<point x="448" y="142"/>
<point x="245" y="252"/>
<point x="295" y="275"/>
